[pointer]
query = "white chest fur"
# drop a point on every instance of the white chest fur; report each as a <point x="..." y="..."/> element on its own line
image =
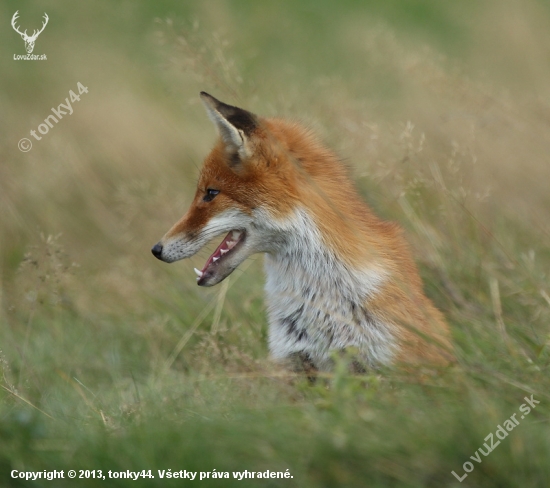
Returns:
<point x="317" y="304"/>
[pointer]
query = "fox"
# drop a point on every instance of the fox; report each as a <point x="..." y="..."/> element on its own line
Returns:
<point x="338" y="278"/>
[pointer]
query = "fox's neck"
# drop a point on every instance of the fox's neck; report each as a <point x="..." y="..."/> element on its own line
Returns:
<point x="317" y="302"/>
<point x="302" y="253"/>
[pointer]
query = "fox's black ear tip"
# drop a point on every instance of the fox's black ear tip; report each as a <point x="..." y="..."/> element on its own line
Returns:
<point x="209" y="100"/>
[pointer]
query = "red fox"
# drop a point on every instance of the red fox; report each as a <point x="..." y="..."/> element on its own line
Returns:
<point x="338" y="277"/>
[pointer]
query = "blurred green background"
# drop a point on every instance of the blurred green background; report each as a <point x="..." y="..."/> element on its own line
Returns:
<point x="112" y="360"/>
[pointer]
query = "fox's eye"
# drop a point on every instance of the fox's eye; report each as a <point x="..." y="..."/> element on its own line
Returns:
<point x="210" y="195"/>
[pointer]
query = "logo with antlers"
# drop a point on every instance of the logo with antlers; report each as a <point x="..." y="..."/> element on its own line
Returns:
<point x="29" y="40"/>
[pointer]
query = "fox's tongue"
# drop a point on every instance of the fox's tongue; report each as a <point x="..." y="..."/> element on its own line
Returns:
<point x="229" y="242"/>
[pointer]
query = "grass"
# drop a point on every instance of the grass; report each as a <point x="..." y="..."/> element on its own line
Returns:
<point x="111" y="360"/>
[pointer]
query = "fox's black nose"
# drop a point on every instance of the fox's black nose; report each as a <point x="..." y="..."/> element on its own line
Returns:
<point x="157" y="250"/>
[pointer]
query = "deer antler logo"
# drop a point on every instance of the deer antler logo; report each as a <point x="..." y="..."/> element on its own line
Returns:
<point x="29" y="40"/>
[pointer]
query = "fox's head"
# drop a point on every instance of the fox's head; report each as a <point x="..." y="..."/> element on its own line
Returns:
<point x="246" y="187"/>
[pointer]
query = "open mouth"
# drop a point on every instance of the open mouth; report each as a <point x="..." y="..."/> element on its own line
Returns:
<point x="229" y="245"/>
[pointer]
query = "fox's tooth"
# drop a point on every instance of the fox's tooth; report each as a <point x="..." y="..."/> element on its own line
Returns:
<point x="198" y="273"/>
<point x="223" y="251"/>
<point x="236" y="234"/>
<point x="214" y="259"/>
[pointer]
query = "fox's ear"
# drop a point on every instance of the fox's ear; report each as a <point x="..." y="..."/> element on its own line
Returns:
<point x="234" y="124"/>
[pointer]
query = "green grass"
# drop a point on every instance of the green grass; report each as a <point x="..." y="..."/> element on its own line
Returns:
<point x="111" y="360"/>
